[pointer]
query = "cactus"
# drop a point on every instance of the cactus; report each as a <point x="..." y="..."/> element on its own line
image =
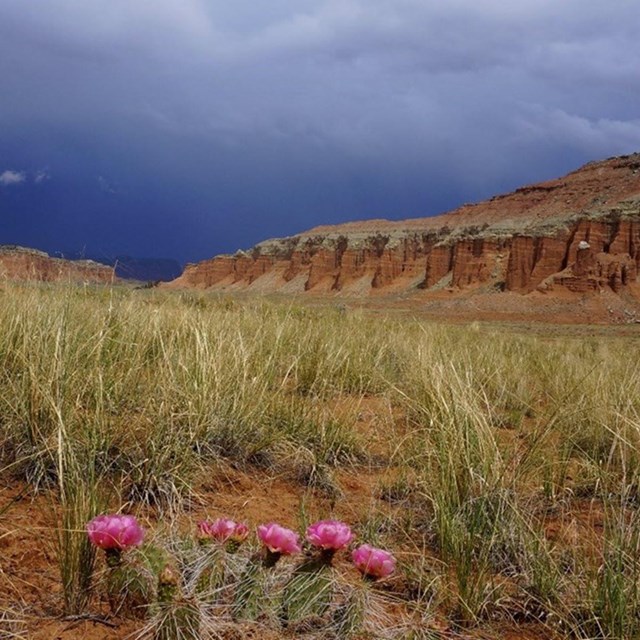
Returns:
<point x="307" y="593"/>
<point x="349" y="617"/>
<point x="130" y="588"/>
<point x="178" y="618"/>
<point x="249" y="591"/>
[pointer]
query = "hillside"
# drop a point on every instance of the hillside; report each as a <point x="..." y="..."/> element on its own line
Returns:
<point x="575" y="234"/>
<point x="19" y="263"/>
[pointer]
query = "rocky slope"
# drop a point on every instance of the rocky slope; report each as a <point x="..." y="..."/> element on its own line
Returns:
<point x="578" y="233"/>
<point x="19" y="263"/>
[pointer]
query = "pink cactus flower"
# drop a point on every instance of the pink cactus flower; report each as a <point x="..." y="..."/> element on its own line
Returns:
<point x="224" y="530"/>
<point x="115" y="532"/>
<point x="279" y="540"/>
<point x="373" y="563"/>
<point x="241" y="532"/>
<point x="329" y="534"/>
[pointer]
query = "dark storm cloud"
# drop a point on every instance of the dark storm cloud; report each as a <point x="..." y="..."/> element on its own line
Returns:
<point x="191" y="127"/>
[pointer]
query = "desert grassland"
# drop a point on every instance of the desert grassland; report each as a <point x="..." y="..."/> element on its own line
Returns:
<point x="503" y="468"/>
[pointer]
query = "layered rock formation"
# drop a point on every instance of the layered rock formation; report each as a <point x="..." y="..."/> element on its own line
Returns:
<point x="580" y="233"/>
<point x="18" y="263"/>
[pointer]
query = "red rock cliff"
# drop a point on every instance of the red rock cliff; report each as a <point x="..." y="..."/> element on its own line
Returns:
<point x="581" y="232"/>
<point x="18" y="263"/>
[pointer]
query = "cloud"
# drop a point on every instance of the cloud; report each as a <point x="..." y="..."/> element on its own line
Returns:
<point x="595" y="136"/>
<point x="10" y="177"/>
<point x="42" y="175"/>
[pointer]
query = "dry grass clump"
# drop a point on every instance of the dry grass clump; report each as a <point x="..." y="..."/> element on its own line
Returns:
<point x="508" y="465"/>
<point x="12" y="624"/>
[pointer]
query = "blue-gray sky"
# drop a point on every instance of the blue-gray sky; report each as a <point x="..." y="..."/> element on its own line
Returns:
<point x="186" y="128"/>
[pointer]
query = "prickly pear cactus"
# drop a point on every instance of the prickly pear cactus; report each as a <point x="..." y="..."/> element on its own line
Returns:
<point x="132" y="578"/>
<point x="177" y="618"/>
<point x="349" y="616"/>
<point x="307" y="593"/>
<point x="249" y="594"/>
<point x="210" y="571"/>
<point x="130" y="590"/>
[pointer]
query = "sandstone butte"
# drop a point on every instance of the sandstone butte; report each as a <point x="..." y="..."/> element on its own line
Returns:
<point x="19" y="263"/>
<point x="579" y="233"/>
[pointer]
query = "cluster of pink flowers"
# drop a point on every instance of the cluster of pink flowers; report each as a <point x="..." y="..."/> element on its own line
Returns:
<point x="329" y="536"/>
<point x="119" y="532"/>
<point x="223" y="530"/>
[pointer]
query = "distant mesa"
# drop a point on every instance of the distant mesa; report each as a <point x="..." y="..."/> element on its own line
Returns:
<point x="23" y="264"/>
<point x="576" y="234"/>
